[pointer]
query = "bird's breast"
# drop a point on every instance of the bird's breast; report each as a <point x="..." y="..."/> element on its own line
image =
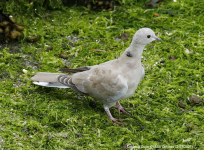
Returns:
<point x="134" y="78"/>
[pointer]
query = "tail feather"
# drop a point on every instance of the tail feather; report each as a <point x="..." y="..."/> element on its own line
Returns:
<point x="49" y="84"/>
<point x="46" y="77"/>
<point x="58" y="80"/>
<point x="81" y="69"/>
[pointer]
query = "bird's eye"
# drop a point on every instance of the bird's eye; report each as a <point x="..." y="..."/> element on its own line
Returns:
<point x="148" y="36"/>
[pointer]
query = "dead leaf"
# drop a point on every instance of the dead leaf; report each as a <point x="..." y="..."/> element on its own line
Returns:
<point x="171" y="57"/>
<point x="98" y="50"/>
<point x="125" y="36"/>
<point x="195" y="99"/>
<point x="182" y="105"/>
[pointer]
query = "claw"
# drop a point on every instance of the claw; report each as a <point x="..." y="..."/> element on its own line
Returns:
<point x="120" y="108"/>
<point x="115" y="120"/>
<point x="111" y="117"/>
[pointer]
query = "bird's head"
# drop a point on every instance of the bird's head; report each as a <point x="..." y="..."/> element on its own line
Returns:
<point x="145" y="36"/>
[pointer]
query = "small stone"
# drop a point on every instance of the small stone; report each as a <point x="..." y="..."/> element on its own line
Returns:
<point x="118" y="39"/>
<point x="25" y="71"/>
<point x="92" y="104"/>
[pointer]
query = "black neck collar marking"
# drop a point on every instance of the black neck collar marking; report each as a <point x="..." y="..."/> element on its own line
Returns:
<point x="128" y="54"/>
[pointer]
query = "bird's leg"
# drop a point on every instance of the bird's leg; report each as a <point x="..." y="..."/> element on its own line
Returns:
<point x="111" y="117"/>
<point x="120" y="108"/>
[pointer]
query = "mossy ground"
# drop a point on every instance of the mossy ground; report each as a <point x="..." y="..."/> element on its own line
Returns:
<point x="33" y="117"/>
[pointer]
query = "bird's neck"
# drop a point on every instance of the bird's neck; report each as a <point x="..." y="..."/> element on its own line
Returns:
<point x="132" y="54"/>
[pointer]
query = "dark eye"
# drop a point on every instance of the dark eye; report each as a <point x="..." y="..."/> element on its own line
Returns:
<point x="148" y="36"/>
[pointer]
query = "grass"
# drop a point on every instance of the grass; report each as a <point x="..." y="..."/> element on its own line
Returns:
<point x="33" y="117"/>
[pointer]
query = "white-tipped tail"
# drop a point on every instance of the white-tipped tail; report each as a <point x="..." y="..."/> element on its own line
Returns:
<point x="49" y="84"/>
<point x="48" y="79"/>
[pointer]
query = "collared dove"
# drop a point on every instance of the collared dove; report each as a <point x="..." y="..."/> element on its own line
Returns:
<point x="108" y="82"/>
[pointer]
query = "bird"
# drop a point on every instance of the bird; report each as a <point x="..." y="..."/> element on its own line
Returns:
<point x="108" y="82"/>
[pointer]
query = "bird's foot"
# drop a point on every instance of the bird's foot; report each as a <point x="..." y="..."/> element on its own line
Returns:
<point x="120" y="108"/>
<point x="115" y="120"/>
<point x="111" y="117"/>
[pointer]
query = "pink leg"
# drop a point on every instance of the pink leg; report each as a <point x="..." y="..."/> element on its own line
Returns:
<point x="120" y="108"/>
<point x="111" y="117"/>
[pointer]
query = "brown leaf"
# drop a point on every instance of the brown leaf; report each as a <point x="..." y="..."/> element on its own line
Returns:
<point x="182" y="105"/>
<point x="33" y="39"/>
<point x="125" y="36"/>
<point x="195" y="99"/>
<point x="171" y="57"/>
<point x="98" y="50"/>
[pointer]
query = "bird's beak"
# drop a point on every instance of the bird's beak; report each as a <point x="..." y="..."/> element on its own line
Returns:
<point x="158" y="39"/>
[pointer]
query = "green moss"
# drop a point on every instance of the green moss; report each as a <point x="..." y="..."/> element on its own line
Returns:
<point x="33" y="117"/>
